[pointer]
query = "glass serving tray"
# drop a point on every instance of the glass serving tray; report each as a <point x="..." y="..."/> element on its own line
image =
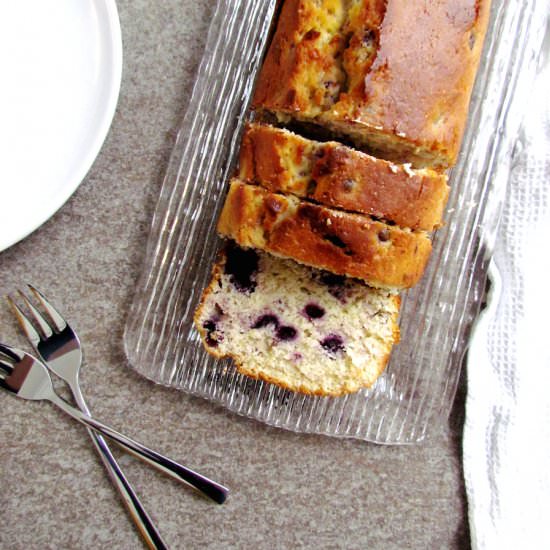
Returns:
<point x="414" y="396"/>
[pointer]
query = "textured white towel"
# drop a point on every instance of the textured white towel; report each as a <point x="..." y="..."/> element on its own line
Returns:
<point x="507" y="429"/>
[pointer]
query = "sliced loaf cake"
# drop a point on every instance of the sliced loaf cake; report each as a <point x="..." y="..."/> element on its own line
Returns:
<point x="347" y="68"/>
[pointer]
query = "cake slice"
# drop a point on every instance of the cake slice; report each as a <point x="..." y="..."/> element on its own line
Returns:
<point x="395" y="77"/>
<point x="303" y="329"/>
<point x="343" y="243"/>
<point x="338" y="176"/>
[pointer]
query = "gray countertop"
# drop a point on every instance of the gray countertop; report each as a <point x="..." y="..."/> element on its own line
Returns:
<point x="288" y="490"/>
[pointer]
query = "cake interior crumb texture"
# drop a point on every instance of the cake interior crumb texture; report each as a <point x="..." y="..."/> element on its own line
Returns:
<point x="303" y="329"/>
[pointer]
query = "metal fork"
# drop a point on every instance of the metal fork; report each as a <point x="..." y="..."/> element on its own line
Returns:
<point x="26" y="376"/>
<point x="59" y="347"/>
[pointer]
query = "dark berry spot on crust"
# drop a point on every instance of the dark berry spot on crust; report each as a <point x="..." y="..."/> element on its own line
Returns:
<point x="333" y="344"/>
<point x="331" y="90"/>
<point x="312" y="34"/>
<point x="242" y="265"/>
<point x="211" y="327"/>
<point x="319" y="153"/>
<point x="472" y="40"/>
<point x="214" y="342"/>
<point x="314" y="311"/>
<point x="285" y="333"/>
<point x="323" y="168"/>
<point x="266" y="320"/>
<point x="311" y="187"/>
<point x="348" y="185"/>
<point x="368" y="38"/>
<point x="339" y="243"/>
<point x="274" y="205"/>
<point x="335" y="240"/>
<point x="384" y="235"/>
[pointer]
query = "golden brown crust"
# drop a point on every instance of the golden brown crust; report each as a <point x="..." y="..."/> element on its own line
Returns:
<point x="341" y="177"/>
<point x="421" y="94"/>
<point x="408" y="71"/>
<point x="343" y="243"/>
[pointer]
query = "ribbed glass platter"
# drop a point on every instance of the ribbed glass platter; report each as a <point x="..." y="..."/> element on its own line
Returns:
<point x="413" y="398"/>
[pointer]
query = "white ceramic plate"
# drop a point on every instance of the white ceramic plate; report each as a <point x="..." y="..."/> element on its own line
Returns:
<point x="61" y="70"/>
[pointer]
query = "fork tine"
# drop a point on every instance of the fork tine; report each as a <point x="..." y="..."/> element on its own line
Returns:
<point x="24" y="323"/>
<point x="3" y="383"/>
<point x="5" y="368"/>
<point x="55" y="316"/>
<point x="13" y="353"/>
<point x="42" y="323"/>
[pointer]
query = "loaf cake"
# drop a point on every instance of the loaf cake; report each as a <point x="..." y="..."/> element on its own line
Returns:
<point x="303" y="329"/>
<point x="395" y="76"/>
<point x="337" y="176"/>
<point x="384" y="256"/>
<point x="317" y="220"/>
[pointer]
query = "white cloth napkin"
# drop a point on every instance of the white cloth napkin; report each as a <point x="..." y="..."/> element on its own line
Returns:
<point x="507" y="429"/>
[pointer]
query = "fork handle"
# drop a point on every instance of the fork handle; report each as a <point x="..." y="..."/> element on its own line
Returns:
<point x="140" y="517"/>
<point x="206" y="486"/>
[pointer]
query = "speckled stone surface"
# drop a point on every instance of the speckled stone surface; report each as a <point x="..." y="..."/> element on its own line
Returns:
<point x="288" y="490"/>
